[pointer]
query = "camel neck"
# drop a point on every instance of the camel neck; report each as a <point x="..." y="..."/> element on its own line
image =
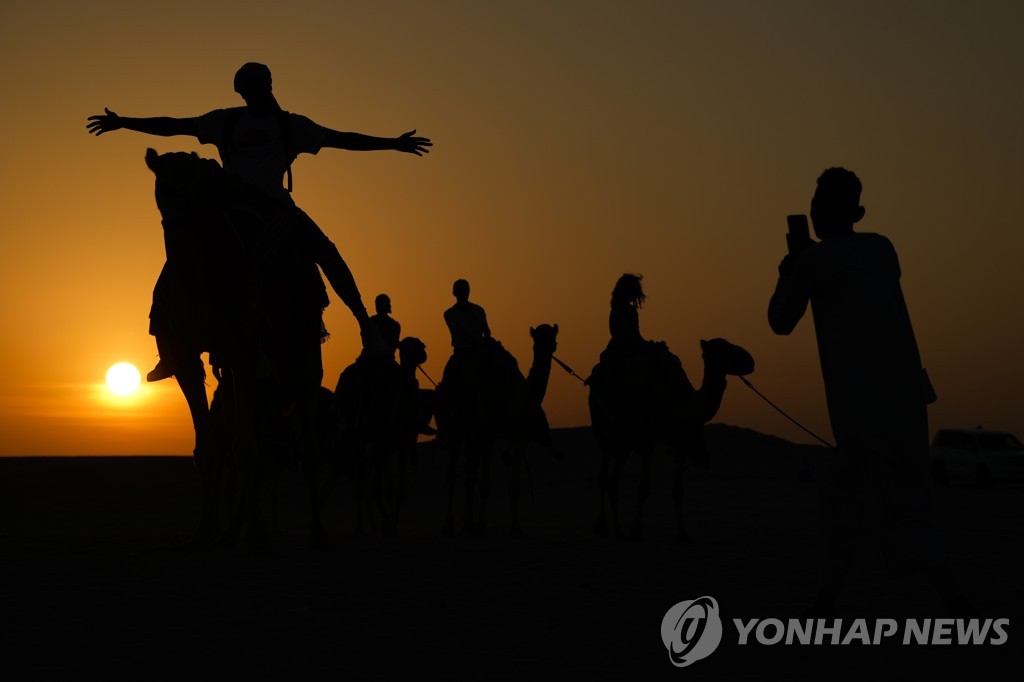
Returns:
<point x="540" y="372"/>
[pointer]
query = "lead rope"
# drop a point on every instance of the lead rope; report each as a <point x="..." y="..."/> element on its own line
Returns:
<point x="783" y="413"/>
<point x="420" y="368"/>
<point x="568" y="369"/>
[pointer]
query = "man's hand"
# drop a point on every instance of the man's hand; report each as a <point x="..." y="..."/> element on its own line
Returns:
<point x="104" y="123"/>
<point x="412" y="145"/>
<point x="787" y="264"/>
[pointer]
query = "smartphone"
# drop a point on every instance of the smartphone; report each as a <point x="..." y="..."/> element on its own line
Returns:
<point x="799" y="237"/>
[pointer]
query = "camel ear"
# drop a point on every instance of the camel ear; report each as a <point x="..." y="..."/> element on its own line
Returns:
<point x="556" y="329"/>
<point x="533" y="332"/>
<point x="151" y="159"/>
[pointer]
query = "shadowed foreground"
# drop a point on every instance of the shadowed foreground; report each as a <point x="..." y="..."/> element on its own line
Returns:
<point x="93" y="577"/>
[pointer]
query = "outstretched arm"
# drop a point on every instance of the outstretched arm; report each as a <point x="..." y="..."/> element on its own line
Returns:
<point x="163" y="126"/>
<point x="357" y="142"/>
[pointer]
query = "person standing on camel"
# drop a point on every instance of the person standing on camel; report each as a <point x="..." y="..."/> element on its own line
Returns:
<point x="258" y="143"/>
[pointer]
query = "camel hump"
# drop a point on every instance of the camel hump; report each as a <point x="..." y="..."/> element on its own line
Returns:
<point x="645" y="380"/>
<point x="493" y="361"/>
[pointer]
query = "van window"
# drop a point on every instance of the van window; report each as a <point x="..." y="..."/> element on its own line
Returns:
<point x="998" y="441"/>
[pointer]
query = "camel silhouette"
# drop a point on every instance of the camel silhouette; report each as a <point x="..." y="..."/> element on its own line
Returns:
<point x="647" y="400"/>
<point x="379" y="410"/>
<point x="490" y="402"/>
<point x="240" y="283"/>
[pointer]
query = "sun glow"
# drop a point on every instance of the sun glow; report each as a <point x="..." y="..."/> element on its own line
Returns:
<point x="123" y="378"/>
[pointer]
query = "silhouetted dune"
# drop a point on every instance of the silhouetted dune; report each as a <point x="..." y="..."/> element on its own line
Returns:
<point x="743" y="451"/>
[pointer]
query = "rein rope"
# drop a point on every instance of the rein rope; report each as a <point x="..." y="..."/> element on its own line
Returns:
<point x="783" y="413"/>
<point x="568" y="369"/>
<point x="420" y="368"/>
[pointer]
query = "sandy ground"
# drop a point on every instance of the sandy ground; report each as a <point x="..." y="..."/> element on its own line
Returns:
<point x="93" y="577"/>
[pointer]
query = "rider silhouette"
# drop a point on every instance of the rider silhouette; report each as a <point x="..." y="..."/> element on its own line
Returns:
<point x="389" y="328"/>
<point x="258" y="143"/>
<point x="467" y="322"/>
<point x="624" y="319"/>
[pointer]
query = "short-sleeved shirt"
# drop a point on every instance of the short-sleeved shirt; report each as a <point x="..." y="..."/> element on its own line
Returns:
<point x="256" y="153"/>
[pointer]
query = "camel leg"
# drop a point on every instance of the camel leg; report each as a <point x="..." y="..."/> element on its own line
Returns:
<point x="390" y="503"/>
<point x="646" y="457"/>
<point x="250" y="462"/>
<point x="677" y="497"/>
<point x="330" y="460"/>
<point x="360" y="485"/>
<point x="222" y="425"/>
<point x="393" y="472"/>
<point x="453" y="472"/>
<point x="306" y="435"/>
<point x="619" y="463"/>
<point x="602" y="490"/>
<point x="321" y="483"/>
<point x="515" y="486"/>
<point x="205" y="455"/>
<point x="194" y="390"/>
<point x="381" y="487"/>
<point x="485" y="486"/>
<point x="472" y="459"/>
<point x="332" y="457"/>
<point x="402" y="483"/>
<point x="320" y="478"/>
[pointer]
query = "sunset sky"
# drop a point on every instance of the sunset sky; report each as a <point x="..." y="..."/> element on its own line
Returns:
<point x="573" y="142"/>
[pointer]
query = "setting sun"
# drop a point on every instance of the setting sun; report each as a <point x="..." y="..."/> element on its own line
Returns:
<point x="123" y="378"/>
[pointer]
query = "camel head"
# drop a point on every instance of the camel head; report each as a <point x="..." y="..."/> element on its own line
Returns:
<point x="545" y="339"/>
<point x="411" y="352"/>
<point x="721" y="356"/>
<point x="185" y="181"/>
<point x="176" y="163"/>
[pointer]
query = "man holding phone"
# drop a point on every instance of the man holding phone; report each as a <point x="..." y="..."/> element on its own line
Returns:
<point x="875" y="387"/>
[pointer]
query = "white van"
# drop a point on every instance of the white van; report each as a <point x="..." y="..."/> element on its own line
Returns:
<point x="978" y="454"/>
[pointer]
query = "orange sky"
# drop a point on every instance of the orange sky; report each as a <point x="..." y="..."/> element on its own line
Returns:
<point x="574" y="141"/>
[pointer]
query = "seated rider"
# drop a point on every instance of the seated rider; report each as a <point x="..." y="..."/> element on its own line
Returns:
<point x="389" y="328"/>
<point x="467" y="324"/>
<point x="368" y="364"/>
<point x="629" y="357"/>
<point x="624" y="320"/>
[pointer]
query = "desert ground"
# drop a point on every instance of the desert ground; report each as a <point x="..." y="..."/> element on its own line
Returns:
<point x="96" y="578"/>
